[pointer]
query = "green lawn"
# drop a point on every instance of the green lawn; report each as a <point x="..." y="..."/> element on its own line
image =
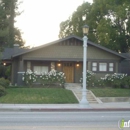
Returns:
<point x="111" y="92"/>
<point x="38" y="96"/>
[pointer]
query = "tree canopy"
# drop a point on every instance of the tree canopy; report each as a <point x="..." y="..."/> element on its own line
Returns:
<point x="108" y="20"/>
<point x="9" y="35"/>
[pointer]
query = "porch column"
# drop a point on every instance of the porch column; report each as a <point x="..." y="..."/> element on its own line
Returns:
<point x="20" y="73"/>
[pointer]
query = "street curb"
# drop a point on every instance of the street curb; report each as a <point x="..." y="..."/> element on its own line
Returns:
<point x="63" y="109"/>
<point x="81" y="109"/>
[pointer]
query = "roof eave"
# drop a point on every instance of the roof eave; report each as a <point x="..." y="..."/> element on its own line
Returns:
<point x="66" y="38"/>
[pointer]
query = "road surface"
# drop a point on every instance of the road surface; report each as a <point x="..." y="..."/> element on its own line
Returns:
<point x="62" y="120"/>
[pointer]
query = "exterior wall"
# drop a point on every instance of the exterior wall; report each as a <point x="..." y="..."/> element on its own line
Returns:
<point x="14" y="71"/>
<point x="71" y="52"/>
<point x="125" y="67"/>
<point x="21" y="70"/>
<point x="78" y="72"/>
<point x="55" y="51"/>
<point x="96" y="53"/>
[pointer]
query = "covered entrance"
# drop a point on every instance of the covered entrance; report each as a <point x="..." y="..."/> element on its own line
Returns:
<point x="68" y="69"/>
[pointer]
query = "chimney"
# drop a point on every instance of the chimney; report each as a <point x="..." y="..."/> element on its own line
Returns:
<point x="16" y="48"/>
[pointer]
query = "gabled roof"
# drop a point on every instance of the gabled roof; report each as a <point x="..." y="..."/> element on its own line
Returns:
<point x="24" y="51"/>
<point x="9" y="52"/>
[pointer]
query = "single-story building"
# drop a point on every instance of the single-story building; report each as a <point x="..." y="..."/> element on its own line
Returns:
<point x="64" y="55"/>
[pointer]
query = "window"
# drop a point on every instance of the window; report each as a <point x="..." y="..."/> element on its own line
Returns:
<point x="102" y="66"/>
<point x="111" y="67"/>
<point x="94" y="66"/>
<point x="40" y="69"/>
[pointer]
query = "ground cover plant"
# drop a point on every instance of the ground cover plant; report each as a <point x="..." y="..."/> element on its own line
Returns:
<point x="111" y="92"/>
<point x="38" y="96"/>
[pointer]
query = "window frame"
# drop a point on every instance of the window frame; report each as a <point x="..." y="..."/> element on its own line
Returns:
<point x="95" y="66"/>
<point x="107" y="67"/>
<point x="103" y="63"/>
<point x="40" y="68"/>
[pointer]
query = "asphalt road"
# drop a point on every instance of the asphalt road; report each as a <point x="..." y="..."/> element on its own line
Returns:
<point x="62" y="120"/>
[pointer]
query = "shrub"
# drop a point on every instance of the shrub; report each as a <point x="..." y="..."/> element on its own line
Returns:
<point x="115" y="80"/>
<point x="90" y="79"/>
<point x="53" y="77"/>
<point x="2" y="91"/>
<point x="126" y="82"/>
<point x="4" y="82"/>
<point x="29" y="78"/>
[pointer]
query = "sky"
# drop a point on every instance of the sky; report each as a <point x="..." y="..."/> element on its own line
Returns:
<point x="40" y="20"/>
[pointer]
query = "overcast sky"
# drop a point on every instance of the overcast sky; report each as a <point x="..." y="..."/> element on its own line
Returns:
<point x="41" y="18"/>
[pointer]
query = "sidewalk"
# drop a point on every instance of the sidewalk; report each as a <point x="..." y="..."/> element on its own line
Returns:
<point x="114" y="106"/>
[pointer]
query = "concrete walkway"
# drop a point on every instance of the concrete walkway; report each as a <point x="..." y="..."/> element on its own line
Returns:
<point x="122" y="106"/>
<point x="77" y="91"/>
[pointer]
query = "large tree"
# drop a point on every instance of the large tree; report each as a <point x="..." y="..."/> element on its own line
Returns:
<point x="9" y="35"/>
<point x="109" y="22"/>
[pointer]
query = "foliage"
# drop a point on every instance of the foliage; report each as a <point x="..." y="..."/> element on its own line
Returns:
<point x="29" y="77"/>
<point x="73" y="25"/>
<point x="90" y="79"/>
<point x="110" y="92"/>
<point x="108" y="20"/>
<point x="2" y="91"/>
<point x="115" y="80"/>
<point x="53" y="77"/>
<point x="2" y="71"/>
<point x="4" y="82"/>
<point x="9" y="35"/>
<point x="5" y="71"/>
<point x="8" y="72"/>
<point x="38" y="96"/>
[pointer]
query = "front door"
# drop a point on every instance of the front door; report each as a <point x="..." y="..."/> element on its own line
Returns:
<point x="68" y="69"/>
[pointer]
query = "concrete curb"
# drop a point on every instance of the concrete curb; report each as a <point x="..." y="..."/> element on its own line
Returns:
<point x="62" y="109"/>
<point x="83" y="109"/>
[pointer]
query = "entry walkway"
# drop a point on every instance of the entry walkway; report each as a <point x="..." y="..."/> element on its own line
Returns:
<point x="77" y="90"/>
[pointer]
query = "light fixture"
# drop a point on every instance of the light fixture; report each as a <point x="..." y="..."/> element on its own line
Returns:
<point x="85" y="29"/>
<point x="77" y="64"/>
<point x="4" y="64"/>
<point x="59" y="64"/>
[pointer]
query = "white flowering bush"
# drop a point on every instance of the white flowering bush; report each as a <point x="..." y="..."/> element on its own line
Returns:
<point x="90" y="79"/>
<point x="53" y="77"/>
<point x="114" y="80"/>
<point x="29" y="77"/>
